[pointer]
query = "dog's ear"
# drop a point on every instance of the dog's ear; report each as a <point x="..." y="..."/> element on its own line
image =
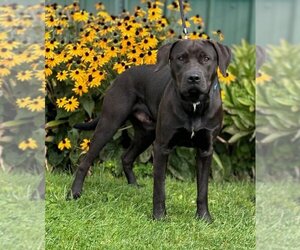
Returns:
<point x="163" y="55"/>
<point x="224" y="55"/>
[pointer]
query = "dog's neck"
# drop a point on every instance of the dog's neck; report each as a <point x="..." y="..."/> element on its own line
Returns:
<point x="200" y="107"/>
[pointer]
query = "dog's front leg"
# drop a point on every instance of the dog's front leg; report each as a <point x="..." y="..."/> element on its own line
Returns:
<point x="203" y="165"/>
<point x="159" y="174"/>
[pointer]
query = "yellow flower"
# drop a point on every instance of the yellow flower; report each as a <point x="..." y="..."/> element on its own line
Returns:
<point x="219" y="34"/>
<point x="98" y="77"/>
<point x="65" y="143"/>
<point x="187" y="23"/>
<point x="197" y="20"/>
<point x="29" y="143"/>
<point x="24" y="75"/>
<point x="222" y="94"/>
<point x="111" y="52"/>
<point x="76" y="75"/>
<point x="150" y="57"/>
<point x="62" y="75"/>
<point x="4" y="71"/>
<point x="48" y="71"/>
<point x="262" y="78"/>
<point x="203" y="35"/>
<point x="85" y="145"/>
<point x="72" y="104"/>
<point x="154" y="13"/>
<point x="119" y="67"/>
<point x="226" y="79"/>
<point x="23" y="102"/>
<point x="53" y="44"/>
<point x="40" y="75"/>
<point x="37" y="104"/>
<point x="194" y="36"/>
<point x="74" y="49"/>
<point x="81" y="16"/>
<point x="60" y="102"/>
<point x="80" y="88"/>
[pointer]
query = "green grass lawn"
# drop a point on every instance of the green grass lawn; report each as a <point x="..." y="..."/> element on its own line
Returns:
<point x="22" y="220"/>
<point x="114" y="215"/>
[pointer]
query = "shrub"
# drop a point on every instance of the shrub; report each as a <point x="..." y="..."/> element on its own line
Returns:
<point x="278" y="112"/>
<point x="238" y="91"/>
<point x="22" y="88"/>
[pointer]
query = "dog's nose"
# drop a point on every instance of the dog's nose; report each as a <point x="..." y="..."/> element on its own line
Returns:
<point x="194" y="78"/>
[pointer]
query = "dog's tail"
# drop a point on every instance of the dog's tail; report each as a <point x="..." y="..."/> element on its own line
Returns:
<point x="87" y="125"/>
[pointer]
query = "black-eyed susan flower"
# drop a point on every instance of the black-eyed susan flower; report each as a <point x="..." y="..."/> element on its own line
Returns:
<point x="197" y="20"/>
<point x="76" y="75"/>
<point x="40" y="75"/>
<point x="120" y="67"/>
<point x="4" y="71"/>
<point x="194" y="35"/>
<point x="134" y="52"/>
<point x="203" y="35"/>
<point x="150" y="57"/>
<point x="100" y="6"/>
<point x="52" y="44"/>
<point x="225" y="79"/>
<point x="80" y="88"/>
<point x="111" y="52"/>
<point x="48" y="71"/>
<point x="154" y="12"/>
<point x="51" y="21"/>
<point x="187" y="23"/>
<point x="28" y="144"/>
<point x="60" y="102"/>
<point x="71" y="104"/>
<point x="81" y="16"/>
<point x="24" y="75"/>
<point x="219" y="34"/>
<point x="262" y="78"/>
<point x="37" y="104"/>
<point x="85" y="145"/>
<point x="74" y="49"/>
<point x="62" y="75"/>
<point x="23" y="102"/>
<point x="65" y="143"/>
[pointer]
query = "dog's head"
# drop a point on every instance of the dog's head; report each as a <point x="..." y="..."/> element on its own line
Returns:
<point x="194" y="65"/>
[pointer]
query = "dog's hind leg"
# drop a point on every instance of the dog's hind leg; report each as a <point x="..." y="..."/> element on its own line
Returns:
<point x="115" y="110"/>
<point x="141" y="141"/>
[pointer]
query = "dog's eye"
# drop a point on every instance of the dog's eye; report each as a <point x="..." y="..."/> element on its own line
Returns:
<point x="180" y="58"/>
<point x="205" y="59"/>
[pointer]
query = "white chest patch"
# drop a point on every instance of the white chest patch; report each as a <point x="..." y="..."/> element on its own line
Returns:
<point x="193" y="133"/>
<point x="195" y="105"/>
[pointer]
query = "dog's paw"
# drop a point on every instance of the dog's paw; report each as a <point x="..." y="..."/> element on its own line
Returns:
<point x="205" y="216"/>
<point x="159" y="215"/>
<point x="71" y="195"/>
<point x="137" y="185"/>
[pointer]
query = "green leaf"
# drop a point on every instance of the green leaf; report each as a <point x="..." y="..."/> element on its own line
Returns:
<point x="238" y="136"/>
<point x="88" y="105"/>
<point x="275" y="136"/>
<point x="76" y="117"/>
<point x="15" y="123"/>
<point x="54" y="123"/>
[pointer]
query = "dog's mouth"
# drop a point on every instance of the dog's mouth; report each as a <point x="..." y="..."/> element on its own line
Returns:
<point x="192" y="95"/>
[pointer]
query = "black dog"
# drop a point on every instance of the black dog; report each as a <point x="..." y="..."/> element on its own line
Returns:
<point x="173" y="103"/>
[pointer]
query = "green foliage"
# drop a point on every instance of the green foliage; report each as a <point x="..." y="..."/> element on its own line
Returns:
<point x="278" y="111"/>
<point x="239" y="101"/>
<point x="237" y="155"/>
